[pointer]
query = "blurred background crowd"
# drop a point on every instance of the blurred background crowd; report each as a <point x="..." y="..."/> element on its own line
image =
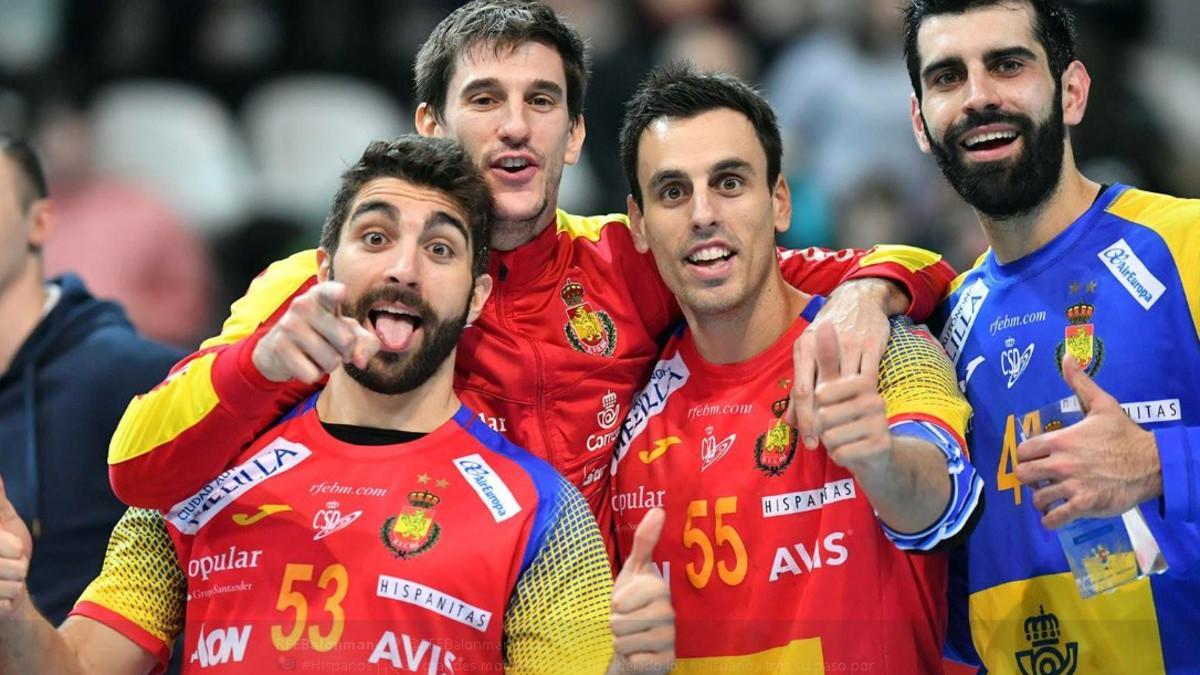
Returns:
<point x="191" y="142"/>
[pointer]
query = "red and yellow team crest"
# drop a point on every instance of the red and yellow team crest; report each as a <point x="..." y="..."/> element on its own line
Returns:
<point x="776" y="448"/>
<point x="414" y="530"/>
<point x="1080" y="341"/>
<point x="589" y="331"/>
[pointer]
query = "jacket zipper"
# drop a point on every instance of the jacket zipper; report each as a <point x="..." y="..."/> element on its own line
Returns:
<point x="539" y="399"/>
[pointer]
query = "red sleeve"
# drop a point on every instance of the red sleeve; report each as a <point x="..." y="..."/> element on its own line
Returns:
<point x="923" y="275"/>
<point x="186" y="430"/>
<point x="133" y="632"/>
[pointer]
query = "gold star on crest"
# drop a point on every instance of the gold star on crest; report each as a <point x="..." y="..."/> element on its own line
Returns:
<point x="1091" y="287"/>
<point x="442" y="482"/>
<point x="1074" y="288"/>
<point x="423" y="479"/>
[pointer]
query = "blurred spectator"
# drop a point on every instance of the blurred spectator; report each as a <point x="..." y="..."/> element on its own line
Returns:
<point x="842" y="100"/>
<point x="711" y="46"/>
<point x="1123" y="139"/>
<point x="69" y="365"/>
<point x="124" y="240"/>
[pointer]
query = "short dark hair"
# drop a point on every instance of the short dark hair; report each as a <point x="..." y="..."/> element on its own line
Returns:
<point x="504" y="24"/>
<point x="438" y="163"/>
<point x="33" y="187"/>
<point x="678" y="90"/>
<point x="1054" y="27"/>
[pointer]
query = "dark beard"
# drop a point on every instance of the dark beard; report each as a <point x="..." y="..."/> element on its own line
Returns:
<point x="1006" y="188"/>
<point x="391" y="373"/>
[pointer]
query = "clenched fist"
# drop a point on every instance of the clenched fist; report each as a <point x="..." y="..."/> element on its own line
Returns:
<point x="16" y="546"/>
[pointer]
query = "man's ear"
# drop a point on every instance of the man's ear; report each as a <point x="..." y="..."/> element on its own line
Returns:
<point x="426" y="121"/>
<point x="43" y="220"/>
<point x="918" y="123"/>
<point x="324" y="265"/>
<point x="479" y="295"/>
<point x="781" y="198"/>
<point x="637" y="225"/>
<point x="575" y="143"/>
<point x="1076" y="85"/>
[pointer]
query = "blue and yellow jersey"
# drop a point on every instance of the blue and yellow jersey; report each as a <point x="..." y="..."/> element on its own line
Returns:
<point x="454" y="552"/>
<point x="1119" y="290"/>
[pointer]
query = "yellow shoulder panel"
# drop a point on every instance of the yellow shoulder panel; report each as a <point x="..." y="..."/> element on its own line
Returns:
<point x="589" y="227"/>
<point x="141" y="579"/>
<point x="267" y="292"/>
<point x="557" y="619"/>
<point x="163" y="413"/>
<point x="911" y="257"/>
<point x="916" y="378"/>
<point x="1177" y="221"/>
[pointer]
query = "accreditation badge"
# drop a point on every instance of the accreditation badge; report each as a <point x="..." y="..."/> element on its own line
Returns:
<point x="1104" y="553"/>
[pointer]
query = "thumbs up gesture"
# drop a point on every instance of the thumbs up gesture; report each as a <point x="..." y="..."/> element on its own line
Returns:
<point x="1100" y="466"/>
<point x="643" y="621"/>
<point x="15" y="548"/>
<point x="851" y="416"/>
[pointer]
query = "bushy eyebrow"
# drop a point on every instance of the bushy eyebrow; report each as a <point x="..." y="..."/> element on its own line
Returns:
<point x="491" y="84"/>
<point x="392" y="214"/>
<point x="991" y="56"/>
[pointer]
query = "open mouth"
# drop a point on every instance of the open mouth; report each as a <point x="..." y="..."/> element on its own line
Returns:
<point x="394" y="326"/>
<point x="512" y="164"/>
<point x="710" y="256"/>
<point x="992" y="140"/>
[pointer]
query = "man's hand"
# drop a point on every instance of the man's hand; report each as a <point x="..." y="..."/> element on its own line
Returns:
<point x="16" y="546"/>
<point x="1100" y="466"/>
<point x="313" y="338"/>
<point x="850" y="415"/>
<point x="859" y="312"/>
<point x="643" y="621"/>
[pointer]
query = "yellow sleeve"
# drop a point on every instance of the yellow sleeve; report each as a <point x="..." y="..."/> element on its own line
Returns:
<point x="270" y="292"/>
<point x="557" y="619"/>
<point x="1177" y="221"/>
<point x="141" y="591"/>
<point x="917" y="380"/>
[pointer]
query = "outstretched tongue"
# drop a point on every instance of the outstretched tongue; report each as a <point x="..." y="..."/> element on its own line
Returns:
<point x="395" y="332"/>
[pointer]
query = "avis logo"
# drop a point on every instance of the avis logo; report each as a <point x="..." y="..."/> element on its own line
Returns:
<point x="1013" y="361"/>
<point x="224" y="645"/>
<point x="828" y="552"/>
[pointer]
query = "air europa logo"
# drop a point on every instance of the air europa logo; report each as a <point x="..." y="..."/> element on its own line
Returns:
<point x="487" y="484"/>
<point x="1124" y="264"/>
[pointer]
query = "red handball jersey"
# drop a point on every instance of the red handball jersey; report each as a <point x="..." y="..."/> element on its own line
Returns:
<point x="457" y="552"/>
<point x="569" y="334"/>
<point x="773" y="553"/>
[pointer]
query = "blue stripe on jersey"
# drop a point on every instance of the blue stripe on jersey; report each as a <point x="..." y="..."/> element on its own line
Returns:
<point x="815" y="303"/>
<point x="301" y="408"/>
<point x="548" y="482"/>
<point x="965" y="489"/>
<point x="1177" y="447"/>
